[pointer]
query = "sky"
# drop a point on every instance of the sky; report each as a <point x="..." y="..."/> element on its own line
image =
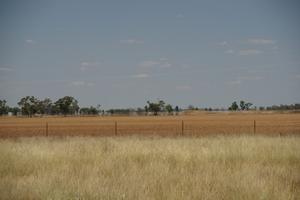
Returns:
<point x="206" y="53"/>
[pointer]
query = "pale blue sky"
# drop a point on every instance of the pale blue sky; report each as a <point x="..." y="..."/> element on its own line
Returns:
<point x="123" y="53"/>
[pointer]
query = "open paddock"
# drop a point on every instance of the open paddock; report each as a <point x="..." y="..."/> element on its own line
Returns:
<point x="183" y="125"/>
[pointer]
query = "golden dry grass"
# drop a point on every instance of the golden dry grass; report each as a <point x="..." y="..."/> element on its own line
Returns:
<point x="218" y="167"/>
<point x="197" y="125"/>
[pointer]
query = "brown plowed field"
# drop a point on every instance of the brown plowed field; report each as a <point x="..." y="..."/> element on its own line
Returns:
<point x="196" y="125"/>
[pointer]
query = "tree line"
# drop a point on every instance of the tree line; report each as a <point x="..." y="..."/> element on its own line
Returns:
<point x="30" y="106"/>
<point x="68" y="105"/>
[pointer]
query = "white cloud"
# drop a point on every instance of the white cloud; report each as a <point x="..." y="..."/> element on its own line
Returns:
<point x="140" y="76"/>
<point x="229" y="51"/>
<point x="224" y="43"/>
<point x="88" y="65"/>
<point x="183" y="87"/>
<point x="235" y="82"/>
<point x="241" y="79"/>
<point x="163" y="59"/>
<point x="260" y="41"/>
<point x="247" y="52"/>
<point x="77" y="83"/>
<point x="132" y="41"/>
<point x="6" y="69"/>
<point x="29" y="41"/>
<point x="161" y="63"/>
<point x="149" y="63"/>
<point x="166" y="65"/>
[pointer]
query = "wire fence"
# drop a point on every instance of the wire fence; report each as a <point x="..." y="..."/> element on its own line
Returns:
<point x="157" y="127"/>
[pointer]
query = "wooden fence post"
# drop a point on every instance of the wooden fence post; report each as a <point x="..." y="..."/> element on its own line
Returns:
<point x="46" y="129"/>
<point x="254" y="126"/>
<point x="116" y="129"/>
<point x="182" y="127"/>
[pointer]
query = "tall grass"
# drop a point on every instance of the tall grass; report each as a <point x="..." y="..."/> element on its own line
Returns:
<point x="233" y="167"/>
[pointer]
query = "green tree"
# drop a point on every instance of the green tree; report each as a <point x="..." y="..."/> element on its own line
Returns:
<point x="3" y="107"/>
<point x="146" y="109"/>
<point x="67" y="105"/>
<point x="161" y="105"/>
<point x="248" y="105"/>
<point x="89" y="111"/>
<point x="242" y="105"/>
<point x="29" y="105"/>
<point x="176" y="110"/>
<point x="191" y="107"/>
<point x="156" y="107"/>
<point x="45" y="106"/>
<point x="245" y="105"/>
<point x="98" y="109"/>
<point x="84" y="111"/>
<point x="169" y="108"/>
<point x="234" y="106"/>
<point x="14" y="110"/>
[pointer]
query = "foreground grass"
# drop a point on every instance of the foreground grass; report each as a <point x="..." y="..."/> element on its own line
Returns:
<point x="233" y="167"/>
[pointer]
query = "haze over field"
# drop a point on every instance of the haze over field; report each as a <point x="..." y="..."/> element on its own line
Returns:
<point x="123" y="53"/>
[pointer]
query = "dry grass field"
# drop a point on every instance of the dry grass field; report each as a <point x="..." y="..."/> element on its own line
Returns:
<point x="212" y="167"/>
<point x="193" y="125"/>
<point x="228" y="161"/>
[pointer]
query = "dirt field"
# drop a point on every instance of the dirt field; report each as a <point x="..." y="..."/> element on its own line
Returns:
<point x="188" y="125"/>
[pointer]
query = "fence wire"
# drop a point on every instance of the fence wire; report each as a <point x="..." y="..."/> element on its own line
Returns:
<point x="140" y="127"/>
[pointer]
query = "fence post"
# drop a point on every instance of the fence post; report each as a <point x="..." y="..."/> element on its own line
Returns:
<point x="116" y="128"/>
<point x="46" y="129"/>
<point x="182" y="127"/>
<point x="254" y="126"/>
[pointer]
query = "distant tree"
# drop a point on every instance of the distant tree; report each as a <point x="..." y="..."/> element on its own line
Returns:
<point x="139" y="111"/>
<point x="89" y="111"/>
<point x="162" y="105"/>
<point x="248" y="105"/>
<point x="67" y="105"/>
<point x="176" y="110"/>
<point x="191" y="107"/>
<point x="120" y="111"/>
<point x="245" y="105"/>
<point x="261" y="108"/>
<point x="14" y="110"/>
<point x="146" y="109"/>
<point x="3" y="107"/>
<point x="169" y="108"/>
<point x="234" y="106"/>
<point x="242" y="105"/>
<point x="93" y="111"/>
<point x="156" y="107"/>
<point x="98" y="108"/>
<point x="45" y="106"/>
<point x="111" y="111"/>
<point x="275" y="107"/>
<point x="29" y="105"/>
<point x="84" y="111"/>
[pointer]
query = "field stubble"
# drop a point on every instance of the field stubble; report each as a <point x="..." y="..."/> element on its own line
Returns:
<point x="217" y="167"/>
<point x="199" y="125"/>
